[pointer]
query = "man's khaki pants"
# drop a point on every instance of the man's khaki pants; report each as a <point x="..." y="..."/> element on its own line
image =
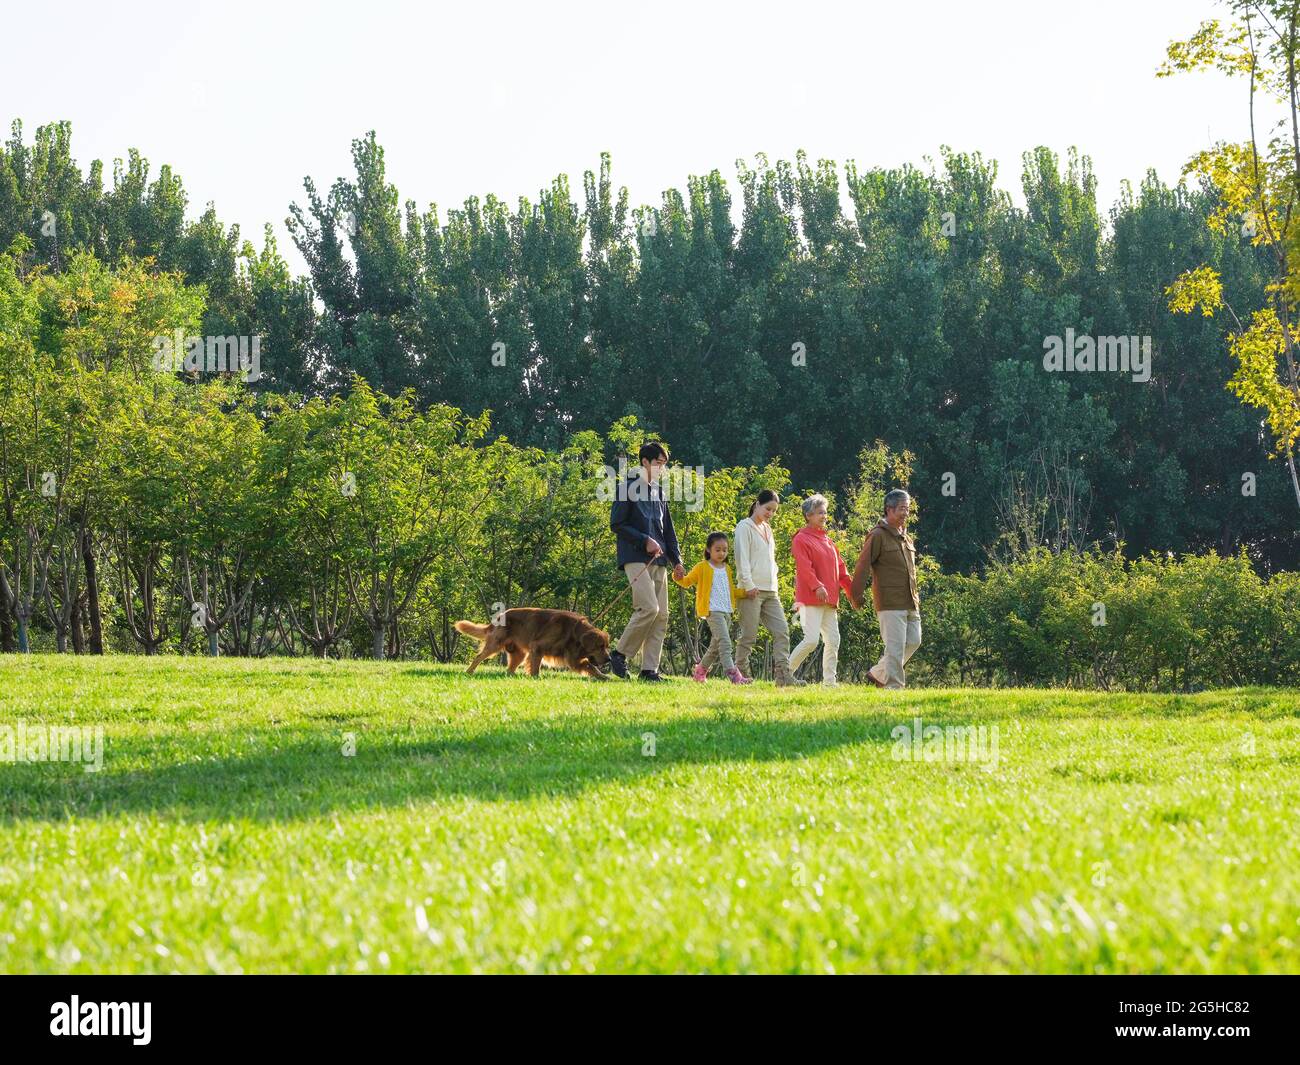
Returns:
<point x="648" y="625"/>
<point x="764" y="609"/>
<point x="901" y="632"/>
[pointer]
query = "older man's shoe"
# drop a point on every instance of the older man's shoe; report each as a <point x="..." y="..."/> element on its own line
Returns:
<point x="618" y="664"/>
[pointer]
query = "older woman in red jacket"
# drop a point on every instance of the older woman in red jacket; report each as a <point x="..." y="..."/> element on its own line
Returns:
<point x="819" y="576"/>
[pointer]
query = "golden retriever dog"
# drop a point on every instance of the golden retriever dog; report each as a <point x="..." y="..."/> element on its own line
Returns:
<point x="558" y="638"/>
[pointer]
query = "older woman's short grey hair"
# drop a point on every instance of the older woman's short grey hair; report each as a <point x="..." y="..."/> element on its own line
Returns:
<point x="896" y="498"/>
<point x="812" y="503"/>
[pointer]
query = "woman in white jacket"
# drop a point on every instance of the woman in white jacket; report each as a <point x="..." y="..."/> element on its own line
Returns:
<point x="754" y="549"/>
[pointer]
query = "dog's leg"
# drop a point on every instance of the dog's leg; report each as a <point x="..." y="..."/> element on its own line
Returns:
<point x="483" y="655"/>
<point x="516" y="659"/>
<point x="534" y="663"/>
<point x="585" y="667"/>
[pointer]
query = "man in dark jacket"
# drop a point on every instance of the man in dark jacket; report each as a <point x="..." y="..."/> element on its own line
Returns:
<point x="646" y="545"/>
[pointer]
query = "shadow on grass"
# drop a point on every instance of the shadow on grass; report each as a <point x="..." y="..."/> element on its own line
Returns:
<point x="307" y="775"/>
<point x="298" y="770"/>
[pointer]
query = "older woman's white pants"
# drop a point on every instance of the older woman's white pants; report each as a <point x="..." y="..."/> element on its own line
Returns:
<point x="819" y="622"/>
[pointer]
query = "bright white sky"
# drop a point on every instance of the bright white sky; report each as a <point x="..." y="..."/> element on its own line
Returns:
<point x="245" y="99"/>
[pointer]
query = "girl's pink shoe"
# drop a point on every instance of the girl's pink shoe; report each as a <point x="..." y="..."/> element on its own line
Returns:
<point x="738" y="677"/>
<point x="698" y="673"/>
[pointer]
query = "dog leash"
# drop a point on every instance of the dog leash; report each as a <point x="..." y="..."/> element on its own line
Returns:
<point x="625" y="591"/>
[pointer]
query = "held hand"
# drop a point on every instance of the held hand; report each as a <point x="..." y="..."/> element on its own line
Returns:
<point x="652" y="547"/>
<point x="822" y="597"/>
<point x="752" y="594"/>
<point x="679" y="571"/>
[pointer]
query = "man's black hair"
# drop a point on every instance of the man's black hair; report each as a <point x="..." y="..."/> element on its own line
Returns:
<point x="652" y="451"/>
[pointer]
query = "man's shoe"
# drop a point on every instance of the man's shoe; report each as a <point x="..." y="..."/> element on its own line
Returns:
<point x="872" y="677"/>
<point x="618" y="664"/>
<point x="651" y="674"/>
<point x="789" y="680"/>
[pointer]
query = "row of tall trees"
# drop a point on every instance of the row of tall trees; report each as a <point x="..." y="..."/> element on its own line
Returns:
<point x="802" y="331"/>
<point x="797" y="314"/>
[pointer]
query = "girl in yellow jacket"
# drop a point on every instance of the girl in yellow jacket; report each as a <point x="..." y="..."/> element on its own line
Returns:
<point x="716" y="595"/>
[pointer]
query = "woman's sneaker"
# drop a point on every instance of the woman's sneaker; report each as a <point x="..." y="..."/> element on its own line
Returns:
<point x="738" y="677"/>
<point x="699" y="673"/>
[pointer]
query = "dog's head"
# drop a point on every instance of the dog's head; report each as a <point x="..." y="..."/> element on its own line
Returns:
<point x="595" y="647"/>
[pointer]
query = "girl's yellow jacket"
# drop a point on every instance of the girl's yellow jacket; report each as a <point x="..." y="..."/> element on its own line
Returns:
<point x="701" y="579"/>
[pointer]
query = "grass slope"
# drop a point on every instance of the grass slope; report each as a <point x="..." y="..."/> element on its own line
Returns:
<point x="509" y="824"/>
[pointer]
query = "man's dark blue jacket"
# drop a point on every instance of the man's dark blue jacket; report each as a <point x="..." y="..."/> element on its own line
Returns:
<point x="638" y="514"/>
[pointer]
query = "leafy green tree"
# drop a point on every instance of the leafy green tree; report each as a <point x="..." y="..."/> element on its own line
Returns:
<point x="416" y="487"/>
<point x="1259" y="184"/>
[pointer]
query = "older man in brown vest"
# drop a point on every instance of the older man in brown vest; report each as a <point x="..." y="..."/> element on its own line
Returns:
<point x="890" y="556"/>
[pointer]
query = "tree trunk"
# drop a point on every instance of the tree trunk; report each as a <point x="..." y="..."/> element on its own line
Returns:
<point x="377" y="641"/>
<point x="7" y="643"/>
<point x="96" y="644"/>
<point x="77" y="629"/>
<point x="1295" y="479"/>
<point x="214" y="644"/>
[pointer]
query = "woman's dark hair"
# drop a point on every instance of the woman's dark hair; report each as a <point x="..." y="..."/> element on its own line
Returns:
<point x="765" y="496"/>
<point x="714" y="537"/>
<point x="653" y="452"/>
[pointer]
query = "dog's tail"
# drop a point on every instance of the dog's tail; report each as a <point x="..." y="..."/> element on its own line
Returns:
<point x="479" y="632"/>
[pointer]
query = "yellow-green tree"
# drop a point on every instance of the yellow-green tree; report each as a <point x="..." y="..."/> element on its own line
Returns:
<point x="74" y="345"/>
<point x="1259" y="185"/>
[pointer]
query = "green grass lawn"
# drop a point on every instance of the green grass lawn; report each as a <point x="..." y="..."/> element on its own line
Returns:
<point x="506" y="824"/>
